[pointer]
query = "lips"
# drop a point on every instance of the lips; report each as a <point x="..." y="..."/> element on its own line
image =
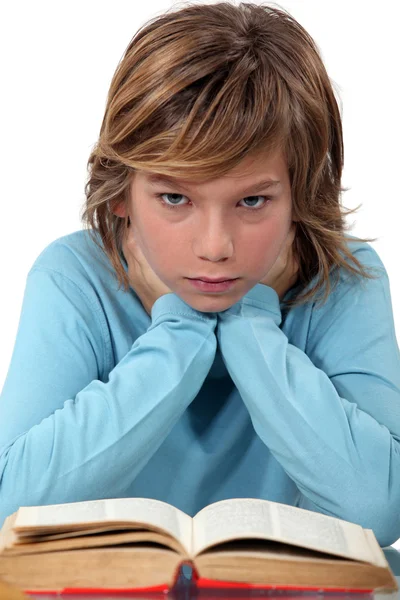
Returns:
<point x="208" y="280"/>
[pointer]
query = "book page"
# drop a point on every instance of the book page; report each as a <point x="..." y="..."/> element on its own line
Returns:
<point x="241" y="518"/>
<point x="236" y="518"/>
<point x="380" y="558"/>
<point x="64" y="517"/>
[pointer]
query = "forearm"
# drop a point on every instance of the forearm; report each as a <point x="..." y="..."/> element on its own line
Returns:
<point x="343" y="460"/>
<point x="100" y="440"/>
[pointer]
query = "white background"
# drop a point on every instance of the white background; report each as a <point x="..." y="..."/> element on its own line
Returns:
<point x="57" y="61"/>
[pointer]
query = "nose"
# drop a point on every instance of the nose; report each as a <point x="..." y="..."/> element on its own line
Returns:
<point x="214" y="241"/>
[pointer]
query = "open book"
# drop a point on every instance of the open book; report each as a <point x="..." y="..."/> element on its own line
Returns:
<point x="132" y="543"/>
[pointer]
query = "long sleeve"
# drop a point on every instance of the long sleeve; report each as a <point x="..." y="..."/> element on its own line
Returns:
<point x="65" y="435"/>
<point x="329" y="415"/>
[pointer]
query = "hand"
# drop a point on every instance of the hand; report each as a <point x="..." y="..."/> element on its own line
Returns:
<point x="284" y="272"/>
<point x="142" y="278"/>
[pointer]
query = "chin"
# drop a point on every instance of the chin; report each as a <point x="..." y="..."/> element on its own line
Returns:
<point x="212" y="304"/>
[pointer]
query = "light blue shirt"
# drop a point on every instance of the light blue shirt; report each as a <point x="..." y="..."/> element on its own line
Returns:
<point x="300" y="407"/>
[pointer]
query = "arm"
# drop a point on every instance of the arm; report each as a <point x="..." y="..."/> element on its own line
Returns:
<point x="330" y="415"/>
<point x="65" y="435"/>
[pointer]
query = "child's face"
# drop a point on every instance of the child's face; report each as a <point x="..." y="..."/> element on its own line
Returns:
<point x="215" y="231"/>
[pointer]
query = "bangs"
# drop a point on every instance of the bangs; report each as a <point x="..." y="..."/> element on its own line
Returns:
<point x="203" y="127"/>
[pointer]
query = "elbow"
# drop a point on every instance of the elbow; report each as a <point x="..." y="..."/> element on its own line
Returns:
<point x="381" y="505"/>
<point x="14" y="491"/>
<point x="5" y="507"/>
<point x="387" y="533"/>
<point x="368" y="509"/>
<point x="386" y="538"/>
<point x="385" y="523"/>
<point x="373" y="501"/>
<point x="381" y="514"/>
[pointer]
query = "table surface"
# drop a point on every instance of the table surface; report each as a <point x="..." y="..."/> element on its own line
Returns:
<point x="186" y="593"/>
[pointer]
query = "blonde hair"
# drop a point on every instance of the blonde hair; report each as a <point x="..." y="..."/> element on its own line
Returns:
<point x="200" y="88"/>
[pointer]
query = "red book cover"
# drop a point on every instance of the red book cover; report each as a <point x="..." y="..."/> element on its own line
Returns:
<point x="208" y="585"/>
<point x="211" y="584"/>
<point x="150" y="593"/>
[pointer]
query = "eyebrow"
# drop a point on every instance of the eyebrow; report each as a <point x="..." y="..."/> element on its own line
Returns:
<point x="154" y="179"/>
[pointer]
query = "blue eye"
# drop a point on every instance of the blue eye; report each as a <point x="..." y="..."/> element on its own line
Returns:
<point x="176" y="206"/>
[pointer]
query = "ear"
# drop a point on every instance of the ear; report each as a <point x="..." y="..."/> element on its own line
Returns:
<point x="119" y="210"/>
